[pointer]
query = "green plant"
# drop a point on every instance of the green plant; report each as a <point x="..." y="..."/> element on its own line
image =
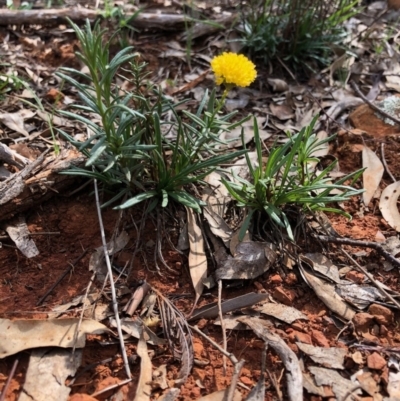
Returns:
<point x="289" y="178"/>
<point x="295" y="30"/>
<point x="139" y="146"/>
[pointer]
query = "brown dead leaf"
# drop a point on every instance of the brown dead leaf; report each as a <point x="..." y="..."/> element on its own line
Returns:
<point x="197" y="255"/>
<point x="372" y="175"/>
<point x="143" y="391"/>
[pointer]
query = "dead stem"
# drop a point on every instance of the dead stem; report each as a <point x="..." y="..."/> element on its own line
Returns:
<point x="113" y="292"/>
<point x="9" y="378"/>
<point x="221" y="318"/>
<point x="370" y="104"/>
<point x="385" y="164"/>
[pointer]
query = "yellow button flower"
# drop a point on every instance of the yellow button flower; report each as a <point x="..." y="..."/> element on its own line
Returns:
<point x="233" y="69"/>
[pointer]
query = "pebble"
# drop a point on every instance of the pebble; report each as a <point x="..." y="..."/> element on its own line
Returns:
<point x="295" y="336"/>
<point x="276" y="279"/>
<point x="355" y="276"/>
<point x="286" y="296"/>
<point x="382" y="314"/>
<point x="362" y="321"/>
<point x="375" y="361"/>
<point x="246" y="380"/>
<point x="319" y="338"/>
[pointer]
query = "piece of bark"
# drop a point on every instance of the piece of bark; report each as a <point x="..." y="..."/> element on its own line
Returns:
<point x="37" y="182"/>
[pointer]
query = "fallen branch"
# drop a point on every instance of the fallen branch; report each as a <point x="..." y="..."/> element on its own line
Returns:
<point x="163" y="22"/>
<point x="365" y="244"/>
<point x="371" y="105"/>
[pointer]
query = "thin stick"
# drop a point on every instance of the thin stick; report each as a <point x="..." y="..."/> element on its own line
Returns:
<point x="371" y="277"/>
<point x="385" y="164"/>
<point x="112" y="387"/>
<point x="237" y="364"/>
<point x="113" y="292"/>
<point x="370" y="104"/>
<point x="213" y="343"/>
<point x="365" y="244"/>
<point x="83" y="310"/>
<point x="10" y="376"/>
<point x="221" y="318"/>
<point x="350" y="392"/>
<point x="232" y="387"/>
<point x="46" y="233"/>
<point x="69" y="268"/>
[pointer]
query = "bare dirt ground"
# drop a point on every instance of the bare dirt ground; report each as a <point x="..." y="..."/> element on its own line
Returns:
<point x="66" y="227"/>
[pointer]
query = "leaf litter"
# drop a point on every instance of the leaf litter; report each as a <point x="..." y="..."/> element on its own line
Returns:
<point x="290" y="108"/>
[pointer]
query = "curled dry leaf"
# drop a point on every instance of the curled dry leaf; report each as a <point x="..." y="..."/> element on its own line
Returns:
<point x="294" y="376"/>
<point x="329" y="357"/>
<point x="28" y="334"/>
<point x="250" y="261"/>
<point x="372" y="175"/>
<point x="143" y="391"/>
<point x="278" y="85"/>
<point x="197" y="255"/>
<point x="47" y="373"/>
<point x="388" y="205"/>
<point x="15" y="121"/>
<point x="327" y="294"/>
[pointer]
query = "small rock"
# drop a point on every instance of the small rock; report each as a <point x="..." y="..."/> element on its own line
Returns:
<point x="198" y="349"/>
<point x="383" y="330"/>
<point x="291" y="279"/>
<point x="382" y="314"/>
<point x="375" y="330"/>
<point x="276" y="279"/>
<point x="375" y="361"/>
<point x="299" y="336"/>
<point x="259" y="286"/>
<point x="363" y="321"/>
<point x="319" y="338"/>
<point x="195" y="393"/>
<point x="286" y="296"/>
<point x="298" y="326"/>
<point x="246" y="380"/>
<point x="199" y="374"/>
<point x="357" y="357"/>
<point x="202" y="323"/>
<point x="355" y="276"/>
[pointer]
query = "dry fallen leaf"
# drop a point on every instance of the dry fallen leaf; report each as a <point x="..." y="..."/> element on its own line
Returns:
<point x="15" y="121"/>
<point x="388" y="205"/>
<point x="372" y="175"/>
<point x="26" y="334"/>
<point x="197" y="255"/>
<point x="143" y="391"/>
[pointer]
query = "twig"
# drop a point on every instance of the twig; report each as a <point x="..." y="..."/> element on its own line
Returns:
<point x="370" y="104"/>
<point x="113" y="292"/>
<point x="350" y="392"/>
<point x="364" y="244"/>
<point x="69" y="268"/>
<point x="213" y="343"/>
<point x="237" y="364"/>
<point x="385" y="164"/>
<point x="371" y="277"/>
<point x="112" y="387"/>
<point x="221" y="318"/>
<point x="83" y="310"/>
<point x="235" y="377"/>
<point x="46" y="233"/>
<point x="287" y="69"/>
<point x="10" y="376"/>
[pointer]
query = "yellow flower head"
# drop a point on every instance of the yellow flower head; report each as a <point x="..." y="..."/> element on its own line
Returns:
<point x="233" y="69"/>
